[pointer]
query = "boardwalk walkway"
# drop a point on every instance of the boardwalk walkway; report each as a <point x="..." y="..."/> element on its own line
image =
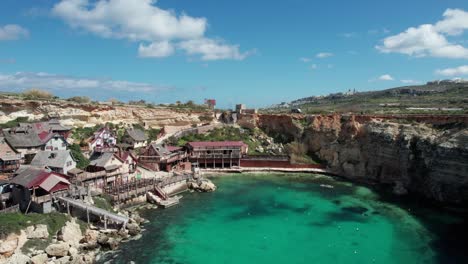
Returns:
<point x="134" y="189"/>
<point x="89" y="209"/>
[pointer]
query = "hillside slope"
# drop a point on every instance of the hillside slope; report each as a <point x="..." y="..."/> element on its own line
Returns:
<point x="433" y="97"/>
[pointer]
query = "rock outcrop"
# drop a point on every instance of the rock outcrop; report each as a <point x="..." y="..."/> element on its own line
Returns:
<point x="75" y="114"/>
<point x="202" y="185"/>
<point x="37" y="232"/>
<point x="424" y="158"/>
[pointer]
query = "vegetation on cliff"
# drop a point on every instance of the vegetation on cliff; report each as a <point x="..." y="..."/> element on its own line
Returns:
<point x="223" y="134"/>
<point x="15" y="222"/>
<point x="81" y="161"/>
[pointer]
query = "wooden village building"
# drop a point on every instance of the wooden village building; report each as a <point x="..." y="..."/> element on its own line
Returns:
<point x="60" y="161"/>
<point x="220" y="154"/>
<point x="9" y="158"/>
<point x="35" y="188"/>
<point x="161" y="158"/>
<point x="135" y="138"/>
<point x="103" y="140"/>
<point x="104" y="170"/>
<point x="28" y="141"/>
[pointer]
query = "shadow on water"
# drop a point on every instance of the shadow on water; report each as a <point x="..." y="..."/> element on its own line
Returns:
<point x="449" y="228"/>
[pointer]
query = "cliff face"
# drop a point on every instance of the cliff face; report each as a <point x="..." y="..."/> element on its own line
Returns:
<point x="75" y="114"/>
<point x="408" y="157"/>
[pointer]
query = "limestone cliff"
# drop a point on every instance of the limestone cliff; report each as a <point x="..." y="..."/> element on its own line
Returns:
<point x="424" y="158"/>
<point x="75" y="114"/>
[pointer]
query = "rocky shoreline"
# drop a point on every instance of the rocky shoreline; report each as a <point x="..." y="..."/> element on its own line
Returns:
<point x="77" y="242"/>
<point x="71" y="244"/>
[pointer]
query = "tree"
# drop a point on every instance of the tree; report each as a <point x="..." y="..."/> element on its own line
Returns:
<point x="81" y="161"/>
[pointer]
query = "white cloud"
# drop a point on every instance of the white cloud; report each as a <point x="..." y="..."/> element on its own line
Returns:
<point x="430" y="40"/>
<point x="385" y="77"/>
<point x="12" y="32"/>
<point x="462" y="70"/>
<point x="323" y="55"/>
<point x="26" y="80"/>
<point x="303" y="59"/>
<point x="454" y="23"/>
<point x="211" y="49"/>
<point x="314" y="66"/>
<point x="410" y="81"/>
<point x="156" y="50"/>
<point x="138" y="20"/>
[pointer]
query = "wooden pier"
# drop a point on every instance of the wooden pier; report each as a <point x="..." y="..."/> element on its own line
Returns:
<point x="89" y="209"/>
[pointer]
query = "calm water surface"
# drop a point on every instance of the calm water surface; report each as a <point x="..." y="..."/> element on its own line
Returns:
<point x="291" y="219"/>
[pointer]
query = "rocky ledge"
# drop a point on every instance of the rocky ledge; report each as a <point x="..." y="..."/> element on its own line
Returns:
<point x="70" y="245"/>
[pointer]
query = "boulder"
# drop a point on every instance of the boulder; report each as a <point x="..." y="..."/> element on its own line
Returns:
<point x="73" y="252"/>
<point x="90" y="236"/>
<point x="62" y="260"/>
<point x="19" y="259"/>
<point x="123" y="233"/>
<point x="207" y="186"/>
<point x="102" y="239"/>
<point x="133" y="229"/>
<point x="58" y="250"/>
<point x="39" y="232"/>
<point x="71" y="233"/>
<point x="39" y="259"/>
<point x="88" y="258"/>
<point x="8" y="247"/>
<point x="113" y="243"/>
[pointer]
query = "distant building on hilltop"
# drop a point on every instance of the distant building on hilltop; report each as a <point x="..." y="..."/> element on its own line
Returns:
<point x="242" y="109"/>
<point x="211" y="103"/>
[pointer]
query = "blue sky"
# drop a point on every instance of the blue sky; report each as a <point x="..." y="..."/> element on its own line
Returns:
<point x="255" y="52"/>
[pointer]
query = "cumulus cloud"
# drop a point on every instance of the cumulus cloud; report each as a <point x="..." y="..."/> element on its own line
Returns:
<point x="431" y="39"/>
<point x="304" y="59"/>
<point x="461" y="70"/>
<point x="385" y="77"/>
<point x="211" y="49"/>
<point x="12" y="32"/>
<point x="323" y="55"/>
<point x="137" y="20"/>
<point x="156" y="50"/>
<point x="313" y="66"/>
<point x="27" y="80"/>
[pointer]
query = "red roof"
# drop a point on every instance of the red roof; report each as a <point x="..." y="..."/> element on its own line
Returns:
<point x="215" y="144"/>
<point x="173" y="148"/>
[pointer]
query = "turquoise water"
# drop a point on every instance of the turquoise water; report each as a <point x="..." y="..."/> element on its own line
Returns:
<point x="282" y="219"/>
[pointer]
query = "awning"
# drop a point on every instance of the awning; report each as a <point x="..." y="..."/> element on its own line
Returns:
<point x="52" y="181"/>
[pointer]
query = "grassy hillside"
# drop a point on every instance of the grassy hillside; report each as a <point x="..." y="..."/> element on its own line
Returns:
<point x="401" y="100"/>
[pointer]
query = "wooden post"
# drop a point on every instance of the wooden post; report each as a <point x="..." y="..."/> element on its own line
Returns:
<point x="87" y="214"/>
<point x="105" y="221"/>
<point x="68" y="208"/>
